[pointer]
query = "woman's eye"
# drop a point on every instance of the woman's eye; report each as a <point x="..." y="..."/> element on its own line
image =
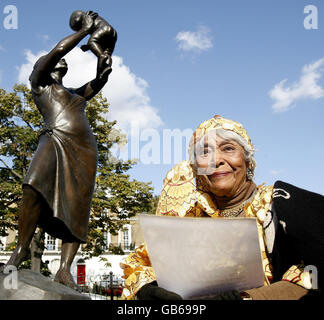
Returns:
<point x="228" y="148"/>
<point x="204" y="152"/>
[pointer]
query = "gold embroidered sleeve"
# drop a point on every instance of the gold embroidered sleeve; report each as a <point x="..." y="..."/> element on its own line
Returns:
<point x="296" y="274"/>
<point x="178" y="196"/>
<point x="138" y="271"/>
<point x="258" y="209"/>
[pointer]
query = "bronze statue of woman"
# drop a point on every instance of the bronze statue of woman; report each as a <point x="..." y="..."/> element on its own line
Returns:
<point x="59" y="184"/>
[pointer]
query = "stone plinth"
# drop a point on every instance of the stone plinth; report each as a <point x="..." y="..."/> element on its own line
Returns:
<point x="34" y="286"/>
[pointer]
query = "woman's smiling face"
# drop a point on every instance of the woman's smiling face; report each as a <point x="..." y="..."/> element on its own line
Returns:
<point x="224" y="164"/>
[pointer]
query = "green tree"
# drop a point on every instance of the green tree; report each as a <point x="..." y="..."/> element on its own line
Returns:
<point x="116" y="197"/>
<point x="154" y="204"/>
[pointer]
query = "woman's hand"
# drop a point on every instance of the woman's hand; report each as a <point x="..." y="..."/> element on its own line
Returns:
<point x="93" y="15"/>
<point x="229" y="295"/>
<point x="87" y="21"/>
<point x="152" y="291"/>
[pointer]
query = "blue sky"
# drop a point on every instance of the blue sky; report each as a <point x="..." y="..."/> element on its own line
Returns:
<point x="178" y="63"/>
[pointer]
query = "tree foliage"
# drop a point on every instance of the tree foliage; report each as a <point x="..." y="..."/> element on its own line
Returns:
<point x="116" y="197"/>
<point x="155" y="202"/>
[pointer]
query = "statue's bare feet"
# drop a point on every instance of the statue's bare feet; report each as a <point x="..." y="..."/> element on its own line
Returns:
<point x="64" y="276"/>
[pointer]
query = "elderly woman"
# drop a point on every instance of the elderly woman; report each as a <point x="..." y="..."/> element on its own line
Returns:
<point x="218" y="182"/>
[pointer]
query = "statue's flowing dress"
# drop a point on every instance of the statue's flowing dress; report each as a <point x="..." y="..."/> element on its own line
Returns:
<point x="63" y="168"/>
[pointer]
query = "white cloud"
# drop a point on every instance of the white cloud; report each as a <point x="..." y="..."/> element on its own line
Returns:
<point x="275" y="172"/>
<point x="199" y="40"/>
<point x="125" y="92"/>
<point x="305" y="87"/>
<point x="44" y="37"/>
<point x="2" y="49"/>
<point x="25" y="69"/>
<point x="128" y="97"/>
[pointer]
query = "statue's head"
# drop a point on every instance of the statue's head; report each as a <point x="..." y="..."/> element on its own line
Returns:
<point x="76" y="20"/>
<point x="37" y="63"/>
<point x="61" y="66"/>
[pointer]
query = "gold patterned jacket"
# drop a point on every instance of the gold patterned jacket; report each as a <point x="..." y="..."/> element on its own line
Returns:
<point x="181" y="197"/>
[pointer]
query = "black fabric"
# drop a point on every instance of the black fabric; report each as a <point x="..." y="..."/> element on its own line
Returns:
<point x="151" y="291"/>
<point x="300" y="233"/>
<point x="229" y="295"/>
<point x="313" y="295"/>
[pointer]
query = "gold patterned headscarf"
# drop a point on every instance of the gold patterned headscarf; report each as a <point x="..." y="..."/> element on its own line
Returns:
<point x="218" y="122"/>
<point x="180" y="195"/>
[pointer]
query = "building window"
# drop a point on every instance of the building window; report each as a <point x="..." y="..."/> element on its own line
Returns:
<point x="50" y="243"/>
<point x="107" y="241"/>
<point x="2" y="243"/>
<point x="126" y="237"/>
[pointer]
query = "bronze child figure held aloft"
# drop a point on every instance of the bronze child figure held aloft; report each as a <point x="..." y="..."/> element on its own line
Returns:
<point x="103" y="36"/>
<point x="59" y="184"/>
